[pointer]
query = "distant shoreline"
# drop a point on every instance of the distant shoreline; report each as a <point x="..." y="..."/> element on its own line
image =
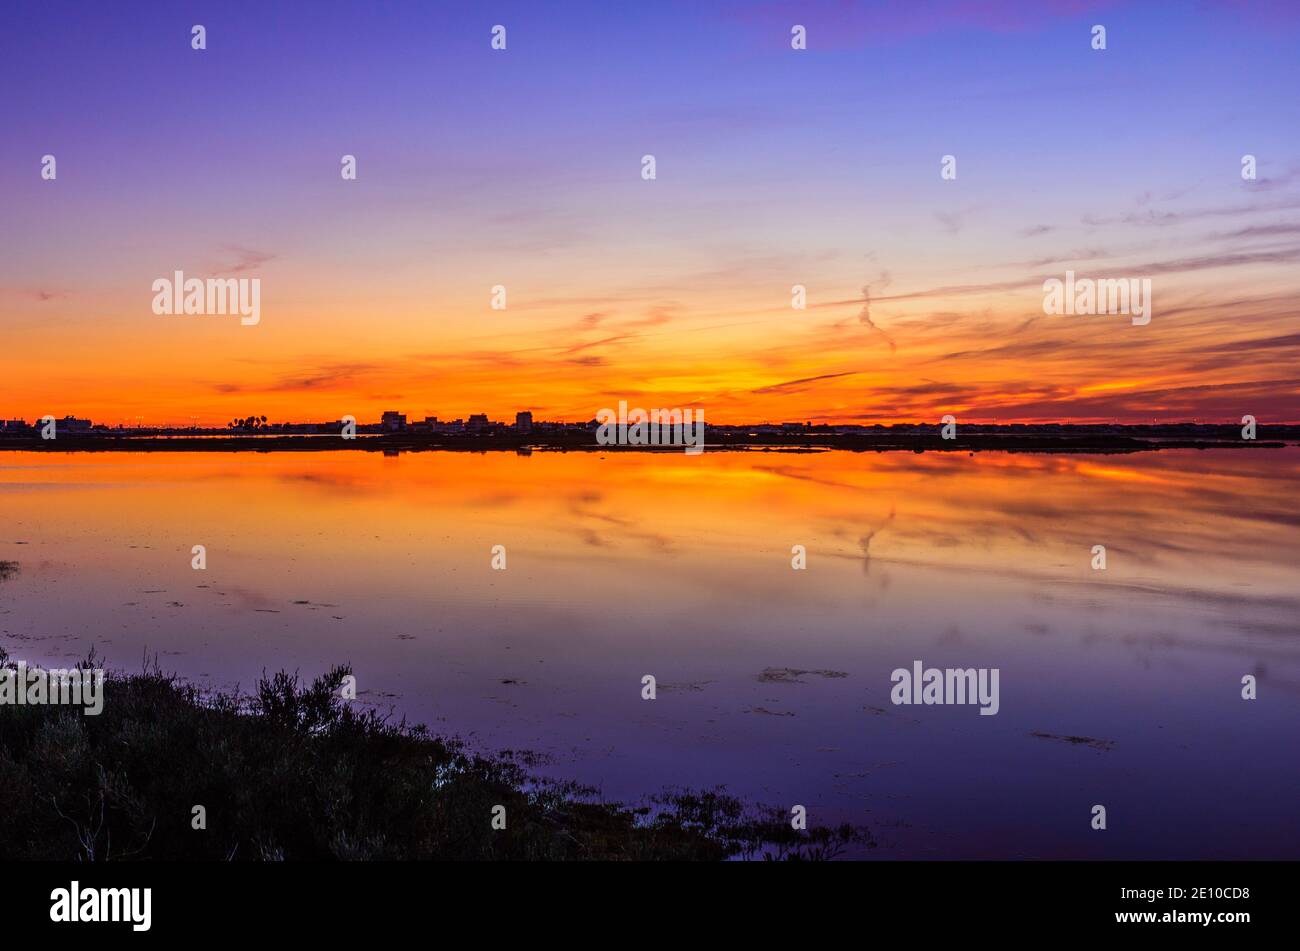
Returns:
<point x="1005" y="441"/>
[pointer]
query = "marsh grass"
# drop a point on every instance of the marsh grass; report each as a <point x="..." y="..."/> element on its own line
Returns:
<point x="292" y="772"/>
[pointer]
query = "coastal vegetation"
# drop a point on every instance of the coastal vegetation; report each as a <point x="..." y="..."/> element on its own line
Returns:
<point x="293" y="771"/>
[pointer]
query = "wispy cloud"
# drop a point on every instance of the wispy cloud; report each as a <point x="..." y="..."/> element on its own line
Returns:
<point x="246" y="259"/>
<point x="794" y="386"/>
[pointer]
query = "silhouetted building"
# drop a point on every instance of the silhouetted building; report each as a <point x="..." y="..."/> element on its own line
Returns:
<point x="478" y="422"/>
<point x="392" y="422"/>
<point x="524" y="422"/>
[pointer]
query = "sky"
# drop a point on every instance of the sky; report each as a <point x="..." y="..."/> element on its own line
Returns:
<point x="775" y="167"/>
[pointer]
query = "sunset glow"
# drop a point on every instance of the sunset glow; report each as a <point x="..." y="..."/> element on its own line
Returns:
<point x="924" y="296"/>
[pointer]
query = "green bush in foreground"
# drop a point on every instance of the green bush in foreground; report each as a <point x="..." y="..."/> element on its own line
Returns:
<point x="295" y="773"/>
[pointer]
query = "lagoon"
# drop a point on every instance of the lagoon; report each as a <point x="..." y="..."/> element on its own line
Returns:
<point x="1119" y="686"/>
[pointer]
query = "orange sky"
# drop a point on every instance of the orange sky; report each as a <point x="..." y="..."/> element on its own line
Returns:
<point x="982" y="355"/>
<point x="772" y="171"/>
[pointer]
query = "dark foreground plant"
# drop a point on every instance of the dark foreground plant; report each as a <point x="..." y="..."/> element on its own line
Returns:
<point x="294" y="772"/>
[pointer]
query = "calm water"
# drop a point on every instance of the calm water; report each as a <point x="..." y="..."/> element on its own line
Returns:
<point x="632" y="564"/>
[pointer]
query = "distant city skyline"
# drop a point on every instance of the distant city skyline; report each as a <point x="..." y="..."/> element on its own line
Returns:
<point x="524" y="420"/>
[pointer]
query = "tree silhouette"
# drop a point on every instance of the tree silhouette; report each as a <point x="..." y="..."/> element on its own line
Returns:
<point x="248" y="422"/>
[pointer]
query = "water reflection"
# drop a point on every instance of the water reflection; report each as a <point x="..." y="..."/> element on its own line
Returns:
<point x="1119" y="687"/>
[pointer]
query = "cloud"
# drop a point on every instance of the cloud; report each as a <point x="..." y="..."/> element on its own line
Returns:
<point x="952" y="221"/>
<point x="1262" y="343"/>
<point x="1083" y="254"/>
<point x="864" y="315"/>
<point x="1175" y="266"/>
<point x="1165" y="218"/>
<point x="794" y="386"/>
<point x="247" y="259"/>
<point x="604" y="341"/>
<point x="1261" y="231"/>
<point x="1271" y="399"/>
<point x="1282" y="180"/>
<point x="327" y="376"/>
